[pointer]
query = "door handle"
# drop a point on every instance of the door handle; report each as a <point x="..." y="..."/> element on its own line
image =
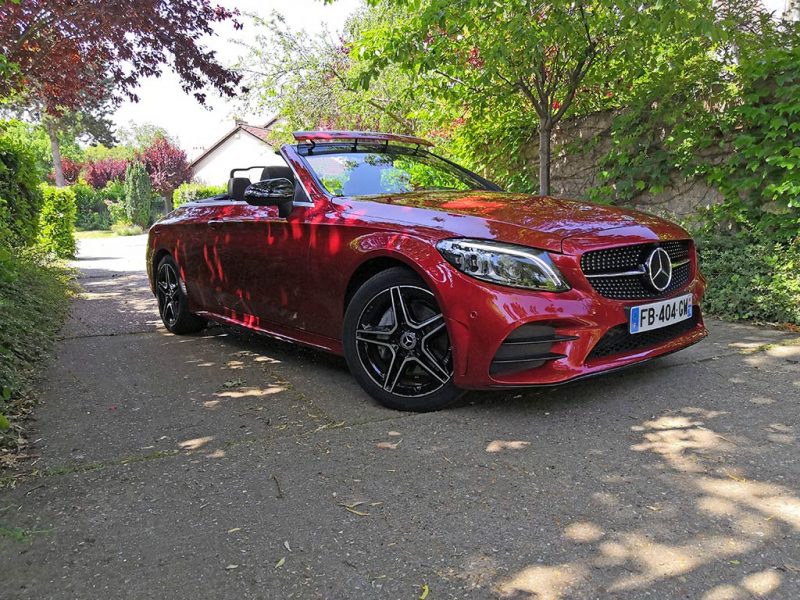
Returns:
<point x="214" y="224"/>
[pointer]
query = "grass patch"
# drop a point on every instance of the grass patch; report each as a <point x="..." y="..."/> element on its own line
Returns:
<point x="34" y="300"/>
<point x="94" y="234"/>
<point x="18" y="534"/>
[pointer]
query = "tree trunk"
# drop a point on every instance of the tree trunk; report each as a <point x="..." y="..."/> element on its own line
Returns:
<point x="544" y="159"/>
<point x="168" y="203"/>
<point x="52" y="132"/>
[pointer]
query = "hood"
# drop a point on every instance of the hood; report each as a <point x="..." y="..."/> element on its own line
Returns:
<point x="536" y="221"/>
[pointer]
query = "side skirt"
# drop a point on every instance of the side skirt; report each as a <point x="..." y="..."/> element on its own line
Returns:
<point x="285" y="334"/>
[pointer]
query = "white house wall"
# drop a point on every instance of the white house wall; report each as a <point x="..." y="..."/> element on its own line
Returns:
<point x="239" y="150"/>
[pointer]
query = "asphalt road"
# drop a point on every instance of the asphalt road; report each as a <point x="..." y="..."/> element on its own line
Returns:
<point x="224" y="465"/>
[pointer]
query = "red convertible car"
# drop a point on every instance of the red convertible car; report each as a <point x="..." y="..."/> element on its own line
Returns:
<point x="428" y="278"/>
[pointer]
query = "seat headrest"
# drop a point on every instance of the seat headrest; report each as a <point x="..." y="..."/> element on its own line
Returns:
<point x="277" y="172"/>
<point x="236" y="187"/>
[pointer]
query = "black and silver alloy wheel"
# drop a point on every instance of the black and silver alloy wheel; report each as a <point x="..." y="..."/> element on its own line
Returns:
<point x="169" y="294"/>
<point x="173" y="305"/>
<point x="396" y="343"/>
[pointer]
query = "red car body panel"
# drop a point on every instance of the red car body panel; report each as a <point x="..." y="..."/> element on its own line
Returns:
<point x="290" y="277"/>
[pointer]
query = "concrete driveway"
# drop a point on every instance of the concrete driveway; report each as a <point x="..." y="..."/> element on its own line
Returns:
<point x="224" y="465"/>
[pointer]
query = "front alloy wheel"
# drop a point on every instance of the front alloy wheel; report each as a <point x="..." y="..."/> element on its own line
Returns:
<point x="396" y="343"/>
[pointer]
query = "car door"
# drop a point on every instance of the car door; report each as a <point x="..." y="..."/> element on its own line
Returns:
<point x="264" y="262"/>
<point x="199" y="249"/>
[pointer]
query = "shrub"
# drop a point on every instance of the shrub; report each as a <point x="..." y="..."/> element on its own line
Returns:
<point x="92" y="211"/>
<point x="126" y="228"/>
<point x="138" y="194"/>
<point x="750" y="277"/>
<point x="57" y="221"/>
<point x="117" y="212"/>
<point x="20" y="197"/>
<point x="99" y="173"/>
<point x="188" y="192"/>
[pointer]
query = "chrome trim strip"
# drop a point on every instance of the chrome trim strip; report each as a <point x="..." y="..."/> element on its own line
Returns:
<point x="641" y="271"/>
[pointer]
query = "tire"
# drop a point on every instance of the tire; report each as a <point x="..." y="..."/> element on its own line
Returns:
<point x="404" y="364"/>
<point x="173" y="303"/>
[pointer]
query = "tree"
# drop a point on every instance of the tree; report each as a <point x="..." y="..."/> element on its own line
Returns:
<point x="313" y="81"/>
<point x="141" y="135"/>
<point x="100" y="172"/>
<point x="138" y="194"/>
<point x="64" y="56"/>
<point x="167" y="166"/>
<point x="533" y="57"/>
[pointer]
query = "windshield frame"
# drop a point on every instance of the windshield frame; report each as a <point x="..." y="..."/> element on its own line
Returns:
<point x="305" y="150"/>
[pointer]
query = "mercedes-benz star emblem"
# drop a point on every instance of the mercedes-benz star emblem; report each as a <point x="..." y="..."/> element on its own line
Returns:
<point x="659" y="269"/>
<point x="408" y="340"/>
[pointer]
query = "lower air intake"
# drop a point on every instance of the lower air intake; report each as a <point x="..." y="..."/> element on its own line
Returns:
<point x="619" y="341"/>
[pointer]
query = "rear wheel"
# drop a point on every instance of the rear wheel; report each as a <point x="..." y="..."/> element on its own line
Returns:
<point x="396" y="343"/>
<point x="173" y="304"/>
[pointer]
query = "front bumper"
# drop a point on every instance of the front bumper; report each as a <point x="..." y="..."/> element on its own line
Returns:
<point x="481" y="316"/>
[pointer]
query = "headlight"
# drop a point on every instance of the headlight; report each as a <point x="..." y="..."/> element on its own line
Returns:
<point x="504" y="264"/>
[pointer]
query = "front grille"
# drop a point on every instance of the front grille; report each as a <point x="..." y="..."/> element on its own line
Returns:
<point x="618" y="340"/>
<point x="527" y="347"/>
<point x="632" y="258"/>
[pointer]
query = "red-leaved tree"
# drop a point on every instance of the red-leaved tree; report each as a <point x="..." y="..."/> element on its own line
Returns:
<point x="100" y="172"/>
<point x="167" y="166"/>
<point x="70" y="170"/>
<point x="66" y="53"/>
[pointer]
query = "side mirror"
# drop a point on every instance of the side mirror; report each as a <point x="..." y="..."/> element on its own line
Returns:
<point x="271" y="192"/>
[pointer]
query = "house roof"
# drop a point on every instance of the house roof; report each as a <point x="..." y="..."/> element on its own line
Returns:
<point x="259" y="132"/>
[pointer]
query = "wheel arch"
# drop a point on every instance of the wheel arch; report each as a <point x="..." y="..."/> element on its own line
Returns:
<point x="158" y="256"/>
<point x="370" y="267"/>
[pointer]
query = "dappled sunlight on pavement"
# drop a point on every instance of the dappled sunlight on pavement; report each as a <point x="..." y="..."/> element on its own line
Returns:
<point x="707" y="471"/>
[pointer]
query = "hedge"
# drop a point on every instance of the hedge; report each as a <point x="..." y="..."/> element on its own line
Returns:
<point x="20" y="198"/>
<point x="57" y="221"/>
<point x="188" y="192"/>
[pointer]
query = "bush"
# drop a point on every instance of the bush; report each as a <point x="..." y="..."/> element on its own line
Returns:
<point x="92" y="211"/>
<point x="101" y="172"/>
<point x="188" y="192"/>
<point x="117" y="212"/>
<point x="57" y="221"/>
<point x="126" y="228"/>
<point x="138" y="194"/>
<point x="750" y="277"/>
<point x="20" y="198"/>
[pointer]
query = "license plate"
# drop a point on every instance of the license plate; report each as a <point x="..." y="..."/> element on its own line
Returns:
<point x="660" y="314"/>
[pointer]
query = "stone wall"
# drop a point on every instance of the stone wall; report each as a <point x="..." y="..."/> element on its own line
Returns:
<point x="578" y="146"/>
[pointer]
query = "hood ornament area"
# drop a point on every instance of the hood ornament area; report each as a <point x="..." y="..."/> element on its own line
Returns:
<point x="658" y="269"/>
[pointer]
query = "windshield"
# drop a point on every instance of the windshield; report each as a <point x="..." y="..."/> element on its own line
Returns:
<point x="389" y="171"/>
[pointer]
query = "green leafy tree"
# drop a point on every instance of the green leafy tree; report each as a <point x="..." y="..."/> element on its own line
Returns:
<point x="314" y="81"/>
<point x="537" y="60"/>
<point x="138" y="194"/>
